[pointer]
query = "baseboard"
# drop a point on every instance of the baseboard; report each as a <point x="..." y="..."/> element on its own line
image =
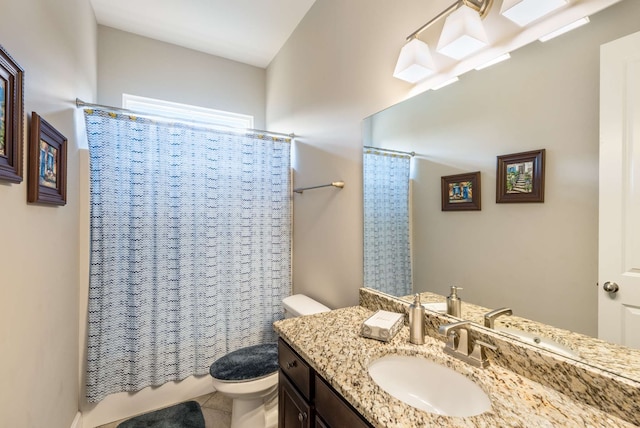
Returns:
<point x="77" y="421"/>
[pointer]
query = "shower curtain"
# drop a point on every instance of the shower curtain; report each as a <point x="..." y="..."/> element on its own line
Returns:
<point x="387" y="249"/>
<point x="190" y="248"/>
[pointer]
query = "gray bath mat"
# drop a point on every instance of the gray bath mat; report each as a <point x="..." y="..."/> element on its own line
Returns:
<point x="183" y="415"/>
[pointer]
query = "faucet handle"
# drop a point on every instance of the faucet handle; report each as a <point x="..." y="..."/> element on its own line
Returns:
<point x="490" y="317"/>
<point x="445" y="329"/>
<point x="478" y="353"/>
<point x="481" y="344"/>
<point x="457" y="336"/>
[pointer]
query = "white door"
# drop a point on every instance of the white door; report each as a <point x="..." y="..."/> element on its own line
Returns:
<point x="619" y="234"/>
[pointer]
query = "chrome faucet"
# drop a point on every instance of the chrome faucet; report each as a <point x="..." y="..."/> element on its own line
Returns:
<point x="490" y="317"/>
<point x="459" y="344"/>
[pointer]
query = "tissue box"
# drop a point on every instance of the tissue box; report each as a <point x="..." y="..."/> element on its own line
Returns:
<point x="383" y="325"/>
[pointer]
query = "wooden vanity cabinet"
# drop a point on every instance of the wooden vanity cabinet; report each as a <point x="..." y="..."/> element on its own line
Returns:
<point x="333" y="409"/>
<point x="305" y="400"/>
<point x="293" y="409"/>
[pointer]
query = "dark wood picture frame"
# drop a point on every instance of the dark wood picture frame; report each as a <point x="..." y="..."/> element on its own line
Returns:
<point x="47" y="164"/>
<point x="11" y="118"/>
<point x="461" y="192"/>
<point x="520" y="177"/>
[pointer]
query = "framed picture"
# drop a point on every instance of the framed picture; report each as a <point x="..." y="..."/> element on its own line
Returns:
<point x="47" y="164"/>
<point x="520" y="177"/>
<point x="461" y="192"/>
<point x="11" y="118"/>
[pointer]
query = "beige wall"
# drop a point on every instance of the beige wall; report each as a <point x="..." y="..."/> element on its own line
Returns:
<point x="136" y="65"/>
<point x="55" y="42"/>
<point x="334" y="71"/>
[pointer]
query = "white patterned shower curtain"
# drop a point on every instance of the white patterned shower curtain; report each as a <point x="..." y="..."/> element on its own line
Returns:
<point x="190" y="248"/>
<point x="387" y="249"/>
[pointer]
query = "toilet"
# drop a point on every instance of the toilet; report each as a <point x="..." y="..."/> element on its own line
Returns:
<point x="249" y="376"/>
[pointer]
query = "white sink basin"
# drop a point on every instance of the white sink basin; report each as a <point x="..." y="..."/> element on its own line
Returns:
<point x="541" y="341"/>
<point x="429" y="386"/>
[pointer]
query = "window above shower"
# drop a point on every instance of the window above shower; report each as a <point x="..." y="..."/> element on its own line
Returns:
<point x="186" y="112"/>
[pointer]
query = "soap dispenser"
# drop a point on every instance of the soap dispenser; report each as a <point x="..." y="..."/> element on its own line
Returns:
<point x="454" y="303"/>
<point x="416" y="321"/>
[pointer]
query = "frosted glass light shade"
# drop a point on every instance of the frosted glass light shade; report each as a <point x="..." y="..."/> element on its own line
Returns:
<point x="415" y="62"/>
<point x="462" y="34"/>
<point x="524" y="12"/>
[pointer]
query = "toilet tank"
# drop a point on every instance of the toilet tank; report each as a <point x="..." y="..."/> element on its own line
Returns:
<point x="299" y="304"/>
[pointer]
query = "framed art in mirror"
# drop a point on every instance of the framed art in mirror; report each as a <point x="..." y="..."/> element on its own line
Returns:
<point x="461" y="192"/>
<point x="11" y="118"/>
<point x="47" y="164"/>
<point x="520" y="177"/>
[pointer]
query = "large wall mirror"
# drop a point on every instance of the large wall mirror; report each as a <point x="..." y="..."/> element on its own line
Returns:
<point x="538" y="258"/>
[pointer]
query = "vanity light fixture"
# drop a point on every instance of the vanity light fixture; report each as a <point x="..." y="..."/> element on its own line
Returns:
<point x="575" y="24"/>
<point x="494" y="61"/>
<point x="415" y="62"/>
<point x="524" y="12"/>
<point x="461" y="35"/>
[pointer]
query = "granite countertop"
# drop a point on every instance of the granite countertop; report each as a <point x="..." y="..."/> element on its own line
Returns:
<point x="614" y="358"/>
<point x="331" y="344"/>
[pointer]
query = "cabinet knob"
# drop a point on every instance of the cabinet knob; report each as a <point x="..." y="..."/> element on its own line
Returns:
<point x="292" y="364"/>
<point x="302" y="417"/>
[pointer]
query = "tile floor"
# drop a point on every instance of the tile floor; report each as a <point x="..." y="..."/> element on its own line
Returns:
<point x="216" y="410"/>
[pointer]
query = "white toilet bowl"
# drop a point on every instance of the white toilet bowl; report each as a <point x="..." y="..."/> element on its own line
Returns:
<point x="250" y="375"/>
<point x="255" y="402"/>
<point x="250" y="389"/>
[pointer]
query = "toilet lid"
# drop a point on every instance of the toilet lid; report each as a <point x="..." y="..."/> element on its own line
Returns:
<point x="247" y="363"/>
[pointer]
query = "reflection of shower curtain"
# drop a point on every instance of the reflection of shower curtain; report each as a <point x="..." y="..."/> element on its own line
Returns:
<point x="387" y="252"/>
<point x="190" y="248"/>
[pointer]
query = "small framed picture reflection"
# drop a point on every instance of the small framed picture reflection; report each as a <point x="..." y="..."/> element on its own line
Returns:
<point x="521" y="177"/>
<point x="461" y="192"/>
<point x="47" y="182"/>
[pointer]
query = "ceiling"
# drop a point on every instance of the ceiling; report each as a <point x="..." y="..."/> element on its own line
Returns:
<point x="247" y="31"/>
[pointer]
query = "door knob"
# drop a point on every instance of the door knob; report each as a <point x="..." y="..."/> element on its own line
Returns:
<point x="610" y="287"/>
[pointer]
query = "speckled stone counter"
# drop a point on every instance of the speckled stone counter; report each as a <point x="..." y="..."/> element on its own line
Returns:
<point x="330" y="343"/>
<point x="617" y="359"/>
<point x="612" y="393"/>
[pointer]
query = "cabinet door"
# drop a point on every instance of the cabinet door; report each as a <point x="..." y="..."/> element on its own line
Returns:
<point x="293" y="409"/>
<point x="296" y="369"/>
<point x="334" y="410"/>
<point x="320" y="423"/>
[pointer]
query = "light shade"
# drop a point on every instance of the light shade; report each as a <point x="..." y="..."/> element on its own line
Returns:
<point x="415" y="62"/>
<point x="462" y="34"/>
<point x="524" y="12"/>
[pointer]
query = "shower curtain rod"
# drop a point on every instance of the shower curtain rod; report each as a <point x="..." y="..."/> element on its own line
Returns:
<point x="80" y="103"/>
<point x="412" y="154"/>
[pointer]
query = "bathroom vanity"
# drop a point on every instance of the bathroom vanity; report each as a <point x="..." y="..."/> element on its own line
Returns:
<point x="305" y="400"/>
<point x="324" y="367"/>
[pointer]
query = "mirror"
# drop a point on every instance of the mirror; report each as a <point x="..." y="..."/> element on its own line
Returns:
<point x="538" y="258"/>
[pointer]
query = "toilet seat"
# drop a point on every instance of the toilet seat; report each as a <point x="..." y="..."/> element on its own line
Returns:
<point x="246" y="364"/>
